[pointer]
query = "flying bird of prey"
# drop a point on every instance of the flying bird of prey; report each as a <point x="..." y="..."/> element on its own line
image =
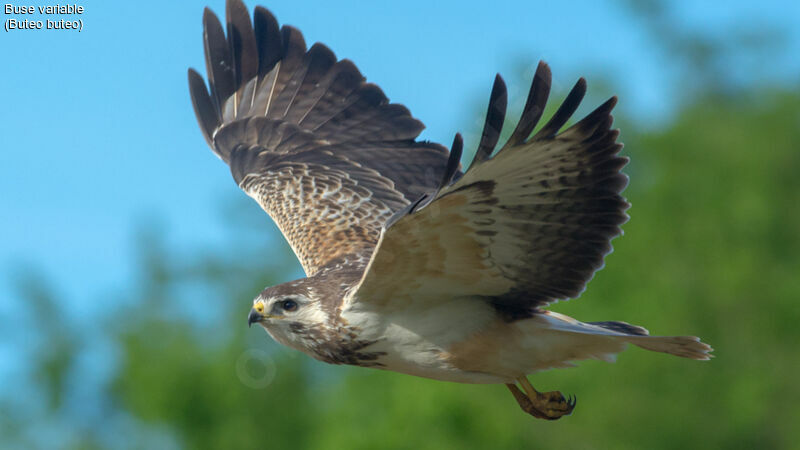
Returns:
<point x="413" y="265"/>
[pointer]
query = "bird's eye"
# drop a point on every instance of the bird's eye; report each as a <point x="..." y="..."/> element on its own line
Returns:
<point x="289" y="305"/>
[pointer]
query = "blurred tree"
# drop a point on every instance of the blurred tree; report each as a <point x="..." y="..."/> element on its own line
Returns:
<point x="710" y="64"/>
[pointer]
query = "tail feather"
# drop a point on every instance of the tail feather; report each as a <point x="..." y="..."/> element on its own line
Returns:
<point x="684" y="346"/>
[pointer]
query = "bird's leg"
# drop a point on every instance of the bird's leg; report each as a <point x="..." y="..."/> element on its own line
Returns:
<point x="542" y="405"/>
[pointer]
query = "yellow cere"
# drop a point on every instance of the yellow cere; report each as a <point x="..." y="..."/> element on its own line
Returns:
<point x="259" y="306"/>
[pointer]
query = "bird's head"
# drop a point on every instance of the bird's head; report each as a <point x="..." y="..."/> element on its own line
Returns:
<point x="290" y="312"/>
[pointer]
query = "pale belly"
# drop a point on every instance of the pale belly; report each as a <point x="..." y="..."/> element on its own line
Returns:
<point x="422" y="359"/>
<point x="421" y="344"/>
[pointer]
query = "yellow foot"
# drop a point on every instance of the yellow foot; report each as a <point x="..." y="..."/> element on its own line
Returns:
<point x="542" y="405"/>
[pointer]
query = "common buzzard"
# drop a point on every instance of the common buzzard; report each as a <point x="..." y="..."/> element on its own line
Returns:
<point x="413" y="265"/>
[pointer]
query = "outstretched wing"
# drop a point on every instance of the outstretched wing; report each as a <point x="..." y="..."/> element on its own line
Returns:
<point x="525" y="227"/>
<point x="320" y="149"/>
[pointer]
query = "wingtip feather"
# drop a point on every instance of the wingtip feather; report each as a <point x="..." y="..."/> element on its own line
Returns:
<point x="565" y="111"/>
<point x="495" y="116"/>
<point x="204" y="109"/>
<point x="534" y="104"/>
<point x="453" y="161"/>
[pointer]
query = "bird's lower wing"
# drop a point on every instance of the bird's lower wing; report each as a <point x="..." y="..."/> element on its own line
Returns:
<point x="525" y="227"/>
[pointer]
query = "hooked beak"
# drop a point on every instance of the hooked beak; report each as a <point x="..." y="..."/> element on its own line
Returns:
<point x="254" y="317"/>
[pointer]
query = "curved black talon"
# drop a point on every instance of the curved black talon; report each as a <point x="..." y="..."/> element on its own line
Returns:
<point x="544" y="405"/>
<point x="572" y="401"/>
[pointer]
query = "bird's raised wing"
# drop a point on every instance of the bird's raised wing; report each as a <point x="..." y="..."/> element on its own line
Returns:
<point x="320" y="149"/>
<point x="525" y="227"/>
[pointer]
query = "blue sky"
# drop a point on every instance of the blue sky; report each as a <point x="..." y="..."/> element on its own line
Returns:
<point x="98" y="133"/>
